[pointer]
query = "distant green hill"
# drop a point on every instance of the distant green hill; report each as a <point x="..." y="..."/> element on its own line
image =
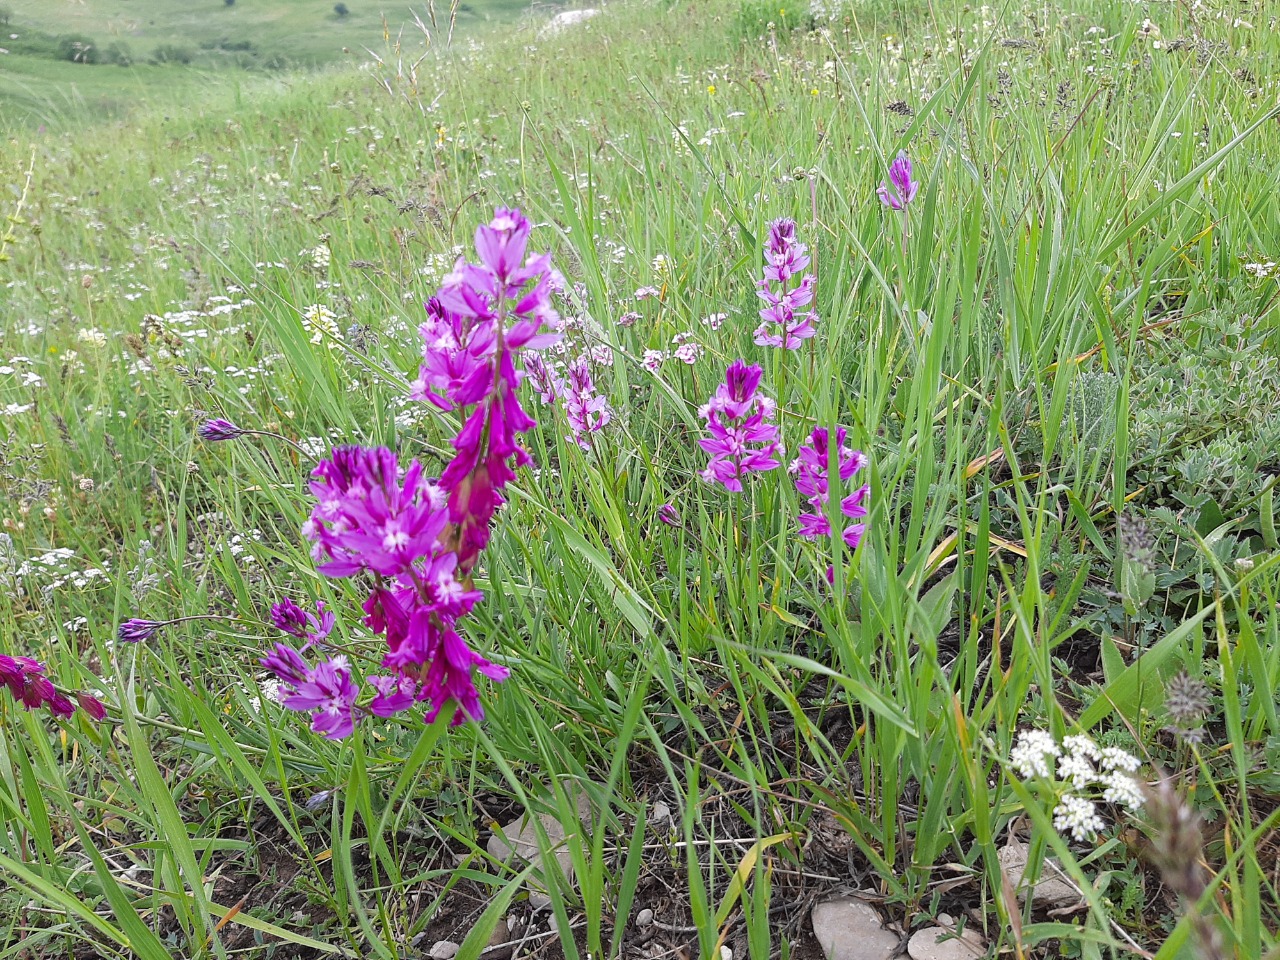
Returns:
<point x="68" y="61"/>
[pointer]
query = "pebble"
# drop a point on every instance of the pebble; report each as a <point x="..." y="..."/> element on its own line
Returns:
<point x="939" y="943"/>
<point x="444" y="950"/>
<point x="848" y="929"/>
<point x="644" y="918"/>
<point x="1051" y="892"/>
<point x="519" y="839"/>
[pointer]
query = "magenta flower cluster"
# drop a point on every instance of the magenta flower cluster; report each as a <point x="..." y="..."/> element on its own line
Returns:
<point x="416" y="538"/>
<point x="27" y="682"/>
<point x="901" y="188"/>
<point x="586" y="411"/>
<point x="743" y="439"/>
<point x="787" y="315"/>
<point x="812" y="470"/>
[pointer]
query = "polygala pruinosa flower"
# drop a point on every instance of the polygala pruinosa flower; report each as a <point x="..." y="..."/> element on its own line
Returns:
<point x="290" y="618"/>
<point x="418" y="538"/>
<point x="901" y="189"/>
<point x="327" y="691"/>
<point x="786" y="321"/>
<point x="742" y="440"/>
<point x="813" y="482"/>
<point x="218" y="429"/>
<point x="136" y="630"/>
<point x="586" y="411"/>
<point x="27" y="682"/>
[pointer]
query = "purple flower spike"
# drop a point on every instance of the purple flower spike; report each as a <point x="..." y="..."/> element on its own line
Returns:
<point x="813" y="482"/>
<point x="903" y="189"/>
<point x="26" y="681"/>
<point x="136" y="630"/>
<point x="742" y="440"/>
<point x="218" y="429"/>
<point x="329" y="693"/>
<point x="288" y="617"/>
<point x="668" y="515"/>
<point x="787" y="319"/>
<point x="287" y="664"/>
<point x="586" y="412"/>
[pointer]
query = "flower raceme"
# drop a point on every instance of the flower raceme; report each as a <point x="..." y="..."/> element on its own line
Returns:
<point x="786" y="322"/>
<point x="742" y="440"/>
<point x="901" y="189"/>
<point x="26" y="681"/>
<point x="812" y="470"/>
<point x="586" y="411"/>
<point x="418" y="538"/>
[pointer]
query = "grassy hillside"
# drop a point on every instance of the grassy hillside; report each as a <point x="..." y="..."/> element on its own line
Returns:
<point x="67" y="62"/>
<point x="1060" y="361"/>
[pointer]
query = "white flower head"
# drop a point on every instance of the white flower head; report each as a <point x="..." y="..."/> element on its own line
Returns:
<point x="1122" y="789"/>
<point x="1081" y="746"/>
<point x="1077" y="816"/>
<point x="1078" y="769"/>
<point x="319" y="321"/>
<point x="1113" y="758"/>
<point x="1033" y="754"/>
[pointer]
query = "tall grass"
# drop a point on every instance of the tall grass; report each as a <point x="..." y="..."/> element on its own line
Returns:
<point x="1093" y="182"/>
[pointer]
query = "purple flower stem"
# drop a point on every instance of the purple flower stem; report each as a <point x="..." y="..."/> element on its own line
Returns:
<point x="279" y="436"/>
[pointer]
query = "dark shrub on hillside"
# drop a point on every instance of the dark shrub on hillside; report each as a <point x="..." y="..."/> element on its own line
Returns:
<point x="5" y="15"/>
<point x="78" y="49"/>
<point x="172" y="53"/>
<point x="229" y="3"/>
<point x="119" y="54"/>
<point x="341" y="9"/>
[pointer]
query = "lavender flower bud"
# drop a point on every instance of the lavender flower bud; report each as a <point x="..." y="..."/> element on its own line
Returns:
<point x="136" y="630"/>
<point x="218" y="429"/>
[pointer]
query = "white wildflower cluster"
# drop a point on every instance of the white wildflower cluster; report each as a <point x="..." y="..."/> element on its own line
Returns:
<point x="1081" y="772"/>
<point x="319" y="256"/>
<point x="319" y="321"/>
<point x="826" y="9"/>
<point x="1262" y="270"/>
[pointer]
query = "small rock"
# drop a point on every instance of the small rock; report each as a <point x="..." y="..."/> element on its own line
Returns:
<point x="939" y="943"/>
<point x="644" y="918"/>
<point x="726" y="953"/>
<point x="444" y="950"/>
<point x="552" y="924"/>
<point x="501" y="934"/>
<point x="660" y="814"/>
<point x="1051" y="893"/>
<point x="519" y="838"/>
<point x="849" y="929"/>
